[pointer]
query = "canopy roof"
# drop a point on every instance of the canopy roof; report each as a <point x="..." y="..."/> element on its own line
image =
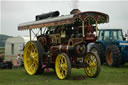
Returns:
<point x="66" y="19"/>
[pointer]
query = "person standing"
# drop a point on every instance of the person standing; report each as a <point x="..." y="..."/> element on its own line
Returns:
<point x="19" y="59"/>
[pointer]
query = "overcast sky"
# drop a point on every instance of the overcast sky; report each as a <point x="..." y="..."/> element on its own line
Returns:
<point x="16" y="12"/>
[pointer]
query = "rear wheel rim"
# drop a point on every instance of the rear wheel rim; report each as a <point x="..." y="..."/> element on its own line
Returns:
<point x="109" y="57"/>
<point x="61" y="66"/>
<point x="91" y="60"/>
<point x="31" y="58"/>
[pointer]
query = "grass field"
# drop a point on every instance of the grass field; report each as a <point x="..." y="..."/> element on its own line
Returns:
<point x="108" y="76"/>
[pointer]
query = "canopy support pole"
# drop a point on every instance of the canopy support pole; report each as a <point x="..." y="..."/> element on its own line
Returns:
<point x="40" y="31"/>
<point x="83" y="29"/>
<point x="30" y="34"/>
<point x="96" y="29"/>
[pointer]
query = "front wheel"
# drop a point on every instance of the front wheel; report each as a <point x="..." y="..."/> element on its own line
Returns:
<point x="94" y="65"/>
<point x="32" y="57"/>
<point x="63" y="66"/>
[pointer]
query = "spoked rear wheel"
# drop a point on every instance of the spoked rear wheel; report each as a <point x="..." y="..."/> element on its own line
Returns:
<point x="94" y="67"/>
<point x="63" y="66"/>
<point x="32" y="57"/>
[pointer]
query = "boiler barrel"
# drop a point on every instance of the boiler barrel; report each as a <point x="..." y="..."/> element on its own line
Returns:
<point x="47" y="15"/>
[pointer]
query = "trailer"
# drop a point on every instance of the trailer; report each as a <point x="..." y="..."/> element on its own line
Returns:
<point x="15" y="46"/>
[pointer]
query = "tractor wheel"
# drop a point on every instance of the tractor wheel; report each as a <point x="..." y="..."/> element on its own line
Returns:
<point x="94" y="63"/>
<point x="113" y="55"/>
<point x="99" y="49"/>
<point x="33" y="57"/>
<point x="63" y="66"/>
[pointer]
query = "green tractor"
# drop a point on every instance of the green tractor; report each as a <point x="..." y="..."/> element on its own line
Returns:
<point x="111" y="47"/>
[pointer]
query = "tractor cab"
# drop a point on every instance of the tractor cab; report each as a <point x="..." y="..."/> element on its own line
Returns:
<point x="110" y="35"/>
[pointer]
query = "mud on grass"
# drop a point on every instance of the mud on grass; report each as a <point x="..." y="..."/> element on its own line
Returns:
<point x="108" y="76"/>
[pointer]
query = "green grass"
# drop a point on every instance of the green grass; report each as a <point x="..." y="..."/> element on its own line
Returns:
<point x="108" y="76"/>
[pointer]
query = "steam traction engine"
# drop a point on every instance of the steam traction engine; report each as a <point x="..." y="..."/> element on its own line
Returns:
<point x="62" y="43"/>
